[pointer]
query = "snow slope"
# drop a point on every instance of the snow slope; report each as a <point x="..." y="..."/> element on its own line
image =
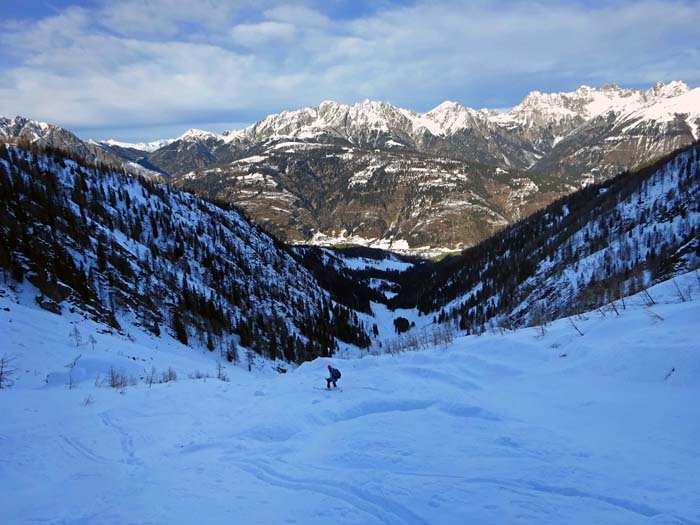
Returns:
<point x="513" y="428"/>
<point x="141" y="146"/>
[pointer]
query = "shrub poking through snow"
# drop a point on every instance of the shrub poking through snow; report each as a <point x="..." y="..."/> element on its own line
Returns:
<point x="168" y="375"/>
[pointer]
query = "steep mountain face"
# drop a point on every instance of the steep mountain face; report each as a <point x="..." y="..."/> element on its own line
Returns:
<point x="376" y="174"/>
<point x="195" y="149"/>
<point x="602" y="243"/>
<point x="399" y="200"/>
<point x="46" y="135"/>
<point x="628" y="136"/>
<point x="121" y="247"/>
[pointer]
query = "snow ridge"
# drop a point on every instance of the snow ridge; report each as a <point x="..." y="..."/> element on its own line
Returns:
<point x="141" y="146"/>
<point x="448" y="118"/>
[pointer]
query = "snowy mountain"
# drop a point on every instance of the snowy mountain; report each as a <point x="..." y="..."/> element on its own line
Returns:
<point x="110" y="153"/>
<point x="286" y="169"/>
<point x="599" y="244"/>
<point x="319" y="174"/>
<point x="371" y="123"/>
<point x="127" y="251"/>
<point x="47" y="135"/>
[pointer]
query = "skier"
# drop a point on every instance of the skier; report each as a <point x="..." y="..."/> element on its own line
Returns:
<point x="334" y="376"/>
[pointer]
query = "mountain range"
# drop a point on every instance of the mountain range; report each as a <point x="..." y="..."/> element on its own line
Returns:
<point x="379" y="175"/>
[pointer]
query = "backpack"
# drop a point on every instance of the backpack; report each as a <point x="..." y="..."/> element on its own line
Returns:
<point x="335" y="373"/>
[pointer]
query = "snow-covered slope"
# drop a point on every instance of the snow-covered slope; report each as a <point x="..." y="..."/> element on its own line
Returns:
<point x="148" y="147"/>
<point x="520" y="428"/>
<point x="602" y="242"/>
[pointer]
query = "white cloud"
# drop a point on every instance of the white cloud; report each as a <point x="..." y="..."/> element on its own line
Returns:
<point x="151" y="62"/>
<point x="298" y="15"/>
<point x="167" y="17"/>
<point x="252" y="35"/>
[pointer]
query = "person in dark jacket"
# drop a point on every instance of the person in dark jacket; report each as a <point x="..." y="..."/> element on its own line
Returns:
<point x="334" y="376"/>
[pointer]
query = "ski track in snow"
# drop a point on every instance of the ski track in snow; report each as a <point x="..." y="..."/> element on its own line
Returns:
<point x="383" y="509"/>
<point x="75" y="446"/>
<point x="126" y="441"/>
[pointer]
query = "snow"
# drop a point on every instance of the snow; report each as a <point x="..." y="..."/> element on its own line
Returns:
<point x="142" y="146"/>
<point x="665" y="111"/>
<point x="519" y="428"/>
<point x="251" y="160"/>
<point x="362" y="263"/>
<point x="400" y="246"/>
<point x="292" y="147"/>
<point x="198" y="135"/>
<point x="144" y="172"/>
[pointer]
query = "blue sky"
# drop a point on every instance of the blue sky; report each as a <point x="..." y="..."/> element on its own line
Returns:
<point x="145" y="69"/>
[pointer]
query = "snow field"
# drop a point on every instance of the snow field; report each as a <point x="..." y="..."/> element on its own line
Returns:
<point x="517" y="427"/>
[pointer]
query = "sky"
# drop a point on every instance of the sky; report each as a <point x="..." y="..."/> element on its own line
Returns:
<point x="147" y="69"/>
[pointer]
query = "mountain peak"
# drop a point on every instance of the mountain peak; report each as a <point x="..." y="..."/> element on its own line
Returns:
<point x="197" y="135"/>
<point x="447" y="105"/>
<point x="20" y="122"/>
<point x="672" y="89"/>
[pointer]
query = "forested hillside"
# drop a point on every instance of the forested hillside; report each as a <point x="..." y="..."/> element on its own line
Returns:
<point x="121" y="247"/>
<point x="602" y="243"/>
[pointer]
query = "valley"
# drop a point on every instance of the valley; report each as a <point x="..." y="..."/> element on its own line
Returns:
<point x="165" y="336"/>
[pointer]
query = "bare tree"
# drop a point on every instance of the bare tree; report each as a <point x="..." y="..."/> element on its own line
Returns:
<point x="198" y="374"/>
<point x="232" y="352"/>
<point x="613" y="307"/>
<point x="221" y="371"/>
<point x="539" y="320"/>
<point x="647" y="298"/>
<point x="150" y="376"/>
<point x="92" y="341"/>
<point x="75" y="335"/>
<point x="71" y="366"/>
<point x="621" y="294"/>
<point x="7" y="370"/>
<point x="168" y="375"/>
<point x="251" y="358"/>
<point x="116" y="379"/>
<point x="679" y="292"/>
<point x="575" y="327"/>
